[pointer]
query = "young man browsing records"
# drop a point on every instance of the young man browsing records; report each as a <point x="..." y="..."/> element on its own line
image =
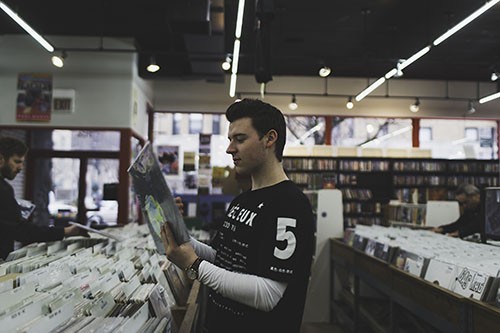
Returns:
<point x="258" y="267"/>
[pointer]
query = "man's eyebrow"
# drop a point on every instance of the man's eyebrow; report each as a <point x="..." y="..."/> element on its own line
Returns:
<point x="237" y="135"/>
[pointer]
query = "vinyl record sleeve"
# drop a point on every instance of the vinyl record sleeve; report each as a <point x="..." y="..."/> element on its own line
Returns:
<point x="155" y="198"/>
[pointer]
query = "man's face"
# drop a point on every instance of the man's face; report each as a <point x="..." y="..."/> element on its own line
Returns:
<point x="248" y="151"/>
<point x="11" y="167"/>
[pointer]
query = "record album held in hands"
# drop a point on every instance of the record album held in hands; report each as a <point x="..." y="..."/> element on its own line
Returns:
<point x="156" y="199"/>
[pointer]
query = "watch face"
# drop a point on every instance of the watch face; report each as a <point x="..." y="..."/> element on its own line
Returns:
<point x="192" y="274"/>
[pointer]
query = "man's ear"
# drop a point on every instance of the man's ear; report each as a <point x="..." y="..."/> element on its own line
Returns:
<point x="272" y="136"/>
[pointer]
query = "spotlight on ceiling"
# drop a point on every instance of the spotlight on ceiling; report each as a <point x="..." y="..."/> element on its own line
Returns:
<point x="399" y="71"/>
<point x="238" y="98"/>
<point x="349" y="103"/>
<point x="324" y="71"/>
<point x="293" y="104"/>
<point x="58" y="60"/>
<point x="226" y="65"/>
<point x="415" y="106"/>
<point x="153" y="66"/>
<point x="494" y="76"/>
<point x="470" y="107"/>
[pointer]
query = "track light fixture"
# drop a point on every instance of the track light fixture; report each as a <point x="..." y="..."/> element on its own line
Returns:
<point x="324" y="71"/>
<point x="58" y="60"/>
<point x="415" y="106"/>
<point x="399" y="70"/>
<point x="349" y="103"/>
<point x="293" y="104"/>
<point x="153" y="66"/>
<point x="470" y="108"/>
<point x="494" y="75"/>
<point x="226" y="65"/>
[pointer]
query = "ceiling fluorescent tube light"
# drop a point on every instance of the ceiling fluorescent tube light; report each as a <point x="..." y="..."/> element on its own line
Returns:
<point x="234" y="68"/>
<point x="236" y="48"/>
<point x="489" y="98"/>
<point x="26" y="27"/>
<point x="415" y="57"/>
<point x="370" y="88"/>
<point x="465" y="21"/>
<point x="239" y="19"/>
<point x="391" y="73"/>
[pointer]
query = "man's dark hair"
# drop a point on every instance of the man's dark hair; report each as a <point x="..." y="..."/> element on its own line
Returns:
<point x="467" y="189"/>
<point x="11" y="146"/>
<point x="264" y="116"/>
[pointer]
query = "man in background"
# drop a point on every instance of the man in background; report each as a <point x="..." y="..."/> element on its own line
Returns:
<point x="12" y="227"/>
<point x="469" y="199"/>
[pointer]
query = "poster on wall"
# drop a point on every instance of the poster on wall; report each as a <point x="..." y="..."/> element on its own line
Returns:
<point x="168" y="156"/>
<point x="34" y="97"/>
<point x="204" y="165"/>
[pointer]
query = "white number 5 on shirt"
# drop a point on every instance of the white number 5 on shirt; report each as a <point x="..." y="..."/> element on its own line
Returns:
<point x="286" y="235"/>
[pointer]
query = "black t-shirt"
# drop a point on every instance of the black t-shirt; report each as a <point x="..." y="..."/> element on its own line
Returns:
<point x="268" y="232"/>
<point x="12" y="228"/>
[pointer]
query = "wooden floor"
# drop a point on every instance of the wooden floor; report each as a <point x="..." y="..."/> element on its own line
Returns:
<point x="321" y="328"/>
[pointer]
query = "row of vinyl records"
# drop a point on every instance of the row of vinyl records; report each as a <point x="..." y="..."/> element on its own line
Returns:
<point x="362" y="207"/>
<point x="93" y="284"/>
<point x="418" y="180"/>
<point x="324" y="180"/>
<point x="361" y="165"/>
<point x="413" y="214"/>
<point x="469" y="269"/>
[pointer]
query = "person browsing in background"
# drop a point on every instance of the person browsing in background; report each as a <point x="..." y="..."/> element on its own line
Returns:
<point x="469" y="198"/>
<point x="12" y="227"/>
<point x="258" y="265"/>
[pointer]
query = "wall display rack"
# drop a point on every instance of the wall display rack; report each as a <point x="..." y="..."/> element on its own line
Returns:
<point x="369" y="183"/>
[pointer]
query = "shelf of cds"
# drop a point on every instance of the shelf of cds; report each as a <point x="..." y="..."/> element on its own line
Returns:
<point x="400" y="279"/>
<point x="95" y="284"/>
<point x="409" y="180"/>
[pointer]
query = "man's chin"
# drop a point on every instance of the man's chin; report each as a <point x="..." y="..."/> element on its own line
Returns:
<point x="241" y="171"/>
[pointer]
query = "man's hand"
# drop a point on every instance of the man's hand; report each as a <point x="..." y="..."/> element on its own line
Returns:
<point x="181" y="255"/>
<point x="179" y="204"/>
<point x="73" y="230"/>
<point x="438" y="230"/>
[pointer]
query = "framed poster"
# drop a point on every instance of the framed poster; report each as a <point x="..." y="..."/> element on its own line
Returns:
<point x="34" y="97"/>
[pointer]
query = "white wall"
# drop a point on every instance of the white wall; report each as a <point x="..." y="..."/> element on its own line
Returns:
<point x="142" y="95"/>
<point x="102" y="82"/>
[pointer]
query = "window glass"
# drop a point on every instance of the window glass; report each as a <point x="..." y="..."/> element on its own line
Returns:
<point x="83" y="140"/>
<point x="471" y="133"/>
<point x="177" y="123"/>
<point x="195" y="123"/>
<point x="425" y="134"/>
<point x="216" y="123"/>
<point x="458" y="138"/>
<point x="371" y="132"/>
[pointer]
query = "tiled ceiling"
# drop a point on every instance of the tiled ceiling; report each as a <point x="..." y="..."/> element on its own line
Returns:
<point x="356" y="38"/>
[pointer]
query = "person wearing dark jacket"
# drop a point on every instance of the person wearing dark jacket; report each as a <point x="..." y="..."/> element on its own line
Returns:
<point x="469" y="198"/>
<point x="12" y="227"/>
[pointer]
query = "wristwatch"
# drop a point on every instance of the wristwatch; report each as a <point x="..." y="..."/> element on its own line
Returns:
<point x="192" y="271"/>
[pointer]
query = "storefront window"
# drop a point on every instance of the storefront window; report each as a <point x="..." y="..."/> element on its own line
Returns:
<point x="460" y="139"/>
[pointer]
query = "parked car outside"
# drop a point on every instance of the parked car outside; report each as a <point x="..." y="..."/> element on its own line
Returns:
<point x="106" y="213"/>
